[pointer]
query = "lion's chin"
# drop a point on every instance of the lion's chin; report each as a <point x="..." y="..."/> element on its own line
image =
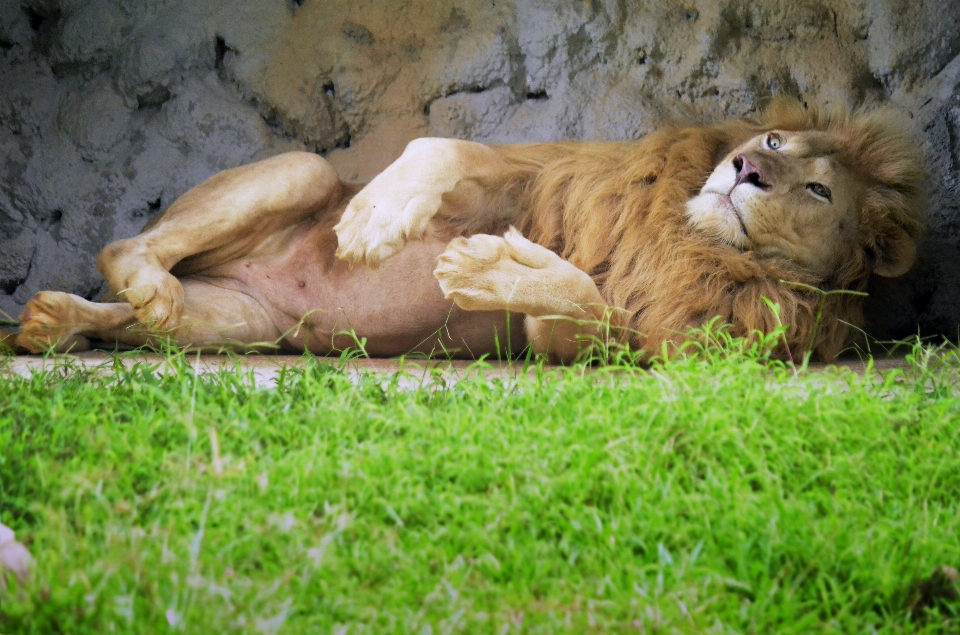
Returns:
<point x="715" y="214"/>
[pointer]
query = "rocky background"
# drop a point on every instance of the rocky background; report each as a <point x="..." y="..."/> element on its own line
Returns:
<point x="110" y="109"/>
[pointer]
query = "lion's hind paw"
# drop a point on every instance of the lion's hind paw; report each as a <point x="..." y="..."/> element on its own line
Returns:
<point x="48" y="322"/>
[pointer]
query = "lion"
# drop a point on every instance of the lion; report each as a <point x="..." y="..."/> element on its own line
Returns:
<point x="470" y="250"/>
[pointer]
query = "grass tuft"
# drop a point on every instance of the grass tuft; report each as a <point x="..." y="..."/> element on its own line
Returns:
<point x="716" y="491"/>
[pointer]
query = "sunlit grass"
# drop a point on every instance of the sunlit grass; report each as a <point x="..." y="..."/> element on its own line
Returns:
<point x="720" y="492"/>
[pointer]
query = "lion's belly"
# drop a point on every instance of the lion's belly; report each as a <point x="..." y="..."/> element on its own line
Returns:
<point x="323" y="304"/>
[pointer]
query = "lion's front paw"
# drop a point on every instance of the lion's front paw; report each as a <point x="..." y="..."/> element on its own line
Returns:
<point x="398" y="204"/>
<point x="156" y="298"/>
<point x="376" y="224"/>
<point x="488" y="273"/>
<point x="49" y="322"/>
<point x="475" y="273"/>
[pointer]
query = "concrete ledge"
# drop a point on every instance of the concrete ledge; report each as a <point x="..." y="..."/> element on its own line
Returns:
<point x="265" y="369"/>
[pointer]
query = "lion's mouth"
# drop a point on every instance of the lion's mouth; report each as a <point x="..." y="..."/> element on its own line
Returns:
<point x="727" y="202"/>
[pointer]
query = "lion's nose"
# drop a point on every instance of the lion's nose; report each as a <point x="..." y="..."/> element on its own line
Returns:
<point x="748" y="173"/>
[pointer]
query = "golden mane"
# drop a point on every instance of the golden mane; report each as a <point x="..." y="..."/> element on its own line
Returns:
<point x="616" y="211"/>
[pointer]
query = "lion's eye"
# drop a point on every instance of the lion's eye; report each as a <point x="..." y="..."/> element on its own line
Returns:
<point x="819" y="190"/>
<point x="774" y="141"/>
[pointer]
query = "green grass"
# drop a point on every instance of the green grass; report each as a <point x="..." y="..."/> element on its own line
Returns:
<point x="717" y="494"/>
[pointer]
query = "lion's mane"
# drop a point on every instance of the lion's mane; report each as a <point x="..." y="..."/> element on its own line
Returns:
<point x="616" y="210"/>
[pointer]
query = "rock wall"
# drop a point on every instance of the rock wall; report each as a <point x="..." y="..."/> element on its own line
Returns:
<point x="110" y="109"/>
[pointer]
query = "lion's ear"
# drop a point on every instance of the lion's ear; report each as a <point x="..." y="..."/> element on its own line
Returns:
<point x="896" y="253"/>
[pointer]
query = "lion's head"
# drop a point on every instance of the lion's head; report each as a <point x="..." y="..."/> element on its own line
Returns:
<point x="826" y="191"/>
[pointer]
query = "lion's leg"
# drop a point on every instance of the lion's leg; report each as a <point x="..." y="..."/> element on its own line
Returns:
<point x="221" y="219"/>
<point x="565" y="311"/>
<point x="463" y="178"/>
<point x="213" y="319"/>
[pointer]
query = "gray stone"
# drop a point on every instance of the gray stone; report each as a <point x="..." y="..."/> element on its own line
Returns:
<point x="110" y="109"/>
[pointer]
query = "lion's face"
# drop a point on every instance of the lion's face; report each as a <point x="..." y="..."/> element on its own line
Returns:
<point x="782" y="194"/>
